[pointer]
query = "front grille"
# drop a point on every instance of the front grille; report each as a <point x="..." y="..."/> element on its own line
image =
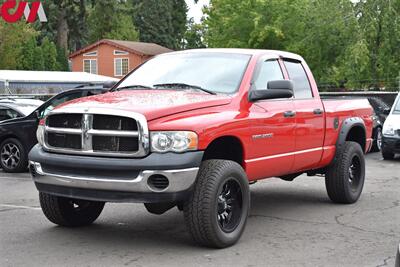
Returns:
<point x="106" y="122"/>
<point x="95" y="134"/>
<point x="72" y="121"/>
<point x="115" y="144"/>
<point x="69" y="141"/>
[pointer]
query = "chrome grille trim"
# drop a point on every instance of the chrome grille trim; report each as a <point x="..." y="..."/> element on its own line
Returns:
<point x="87" y="132"/>
<point x="63" y="130"/>
<point x="114" y="133"/>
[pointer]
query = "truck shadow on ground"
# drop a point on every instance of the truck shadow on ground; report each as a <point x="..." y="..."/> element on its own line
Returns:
<point x="136" y="228"/>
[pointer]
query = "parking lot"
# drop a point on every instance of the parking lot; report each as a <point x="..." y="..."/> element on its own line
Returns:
<point x="291" y="224"/>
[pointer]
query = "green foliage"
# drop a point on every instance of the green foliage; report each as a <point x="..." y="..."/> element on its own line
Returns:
<point x="49" y="53"/>
<point x="379" y="21"/>
<point x="347" y="43"/>
<point x="20" y="49"/>
<point x="111" y="19"/>
<point x="344" y="43"/>
<point x="161" y="22"/>
<point x="62" y="61"/>
<point x="194" y="36"/>
<point x="13" y="39"/>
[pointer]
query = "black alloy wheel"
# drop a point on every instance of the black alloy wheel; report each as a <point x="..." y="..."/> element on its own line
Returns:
<point x="229" y="206"/>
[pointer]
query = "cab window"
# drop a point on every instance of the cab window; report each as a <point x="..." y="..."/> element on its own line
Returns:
<point x="269" y="71"/>
<point x="8" y="114"/>
<point x="302" y="88"/>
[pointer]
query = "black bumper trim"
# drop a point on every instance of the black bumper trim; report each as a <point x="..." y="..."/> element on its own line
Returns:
<point x="112" y="196"/>
<point x="391" y="144"/>
<point x="154" y="161"/>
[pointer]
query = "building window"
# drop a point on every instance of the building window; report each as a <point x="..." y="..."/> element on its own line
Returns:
<point x="90" y="54"/>
<point x="120" y="53"/>
<point x="121" y="66"/>
<point x="90" y="66"/>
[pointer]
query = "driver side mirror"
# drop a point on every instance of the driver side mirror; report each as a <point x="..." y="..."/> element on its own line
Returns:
<point x="276" y="89"/>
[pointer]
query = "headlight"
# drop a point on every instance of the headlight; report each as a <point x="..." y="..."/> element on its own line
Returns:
<point x="40" y="134"/>
<point x="174" y="141"/>
<point x="388" y="130"/>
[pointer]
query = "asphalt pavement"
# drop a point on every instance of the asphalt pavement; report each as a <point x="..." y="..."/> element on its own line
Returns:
<point x="291" y="224"/>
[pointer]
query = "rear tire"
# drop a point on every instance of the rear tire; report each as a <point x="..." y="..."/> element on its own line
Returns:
<point x="344" y="179"/>
<point x="13" y="157"/>
<point x="217" y="210"/>
<point x="69" y="212"/>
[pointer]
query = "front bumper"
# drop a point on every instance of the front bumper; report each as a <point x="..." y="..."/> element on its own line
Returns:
<point x="391" y="144"/>
<point x="116" y="180"/>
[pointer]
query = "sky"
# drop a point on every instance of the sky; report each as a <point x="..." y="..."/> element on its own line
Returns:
<point x="195" y="9"/>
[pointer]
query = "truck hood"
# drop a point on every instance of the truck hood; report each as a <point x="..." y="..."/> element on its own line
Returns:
<point x="152" y="104"/>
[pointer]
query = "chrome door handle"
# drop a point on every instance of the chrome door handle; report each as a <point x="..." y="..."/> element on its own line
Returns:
<point x="289" y="114"/>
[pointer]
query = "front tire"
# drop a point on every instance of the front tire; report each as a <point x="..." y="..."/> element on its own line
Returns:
<point x="344" y="179"/>
<point x="69" y="212"/>
<point x="13" y="157"/>
<point x="217" y="210"/>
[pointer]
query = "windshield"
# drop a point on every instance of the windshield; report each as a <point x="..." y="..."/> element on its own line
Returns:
<point x="214" y="72"/>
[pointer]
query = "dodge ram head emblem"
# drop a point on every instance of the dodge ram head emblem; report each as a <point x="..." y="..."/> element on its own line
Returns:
<point x="85" y="127"/>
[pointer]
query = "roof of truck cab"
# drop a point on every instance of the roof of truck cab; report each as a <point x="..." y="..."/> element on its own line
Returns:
<point x="253" y="52"/>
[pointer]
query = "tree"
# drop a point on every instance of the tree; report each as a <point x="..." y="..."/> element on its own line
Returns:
<point x="13" y="37"/>
<point x="161" y="22"/>
<point x="62" y="61"/>
<point x="117" y="26"/>
<point x="381" y="31"/>
<point x="194" y="35"/>
<point x="49" y="52"/>
<point x="324" y="32"/>
<point x="67" y="26"/>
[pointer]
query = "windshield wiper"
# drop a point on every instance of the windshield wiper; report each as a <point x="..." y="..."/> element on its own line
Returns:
<point x="133" y="87"/>
<point x="183" y="86"/>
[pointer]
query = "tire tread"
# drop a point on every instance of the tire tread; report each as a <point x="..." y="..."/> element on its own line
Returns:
<point x="196" y="210"/>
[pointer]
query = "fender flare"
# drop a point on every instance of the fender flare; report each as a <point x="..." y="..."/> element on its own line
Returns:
<point x="347" y="125"/>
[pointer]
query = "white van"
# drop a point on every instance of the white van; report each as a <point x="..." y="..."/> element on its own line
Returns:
<point x="391" y="132"/>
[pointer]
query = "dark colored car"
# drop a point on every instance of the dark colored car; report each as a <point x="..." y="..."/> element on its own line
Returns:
<point x="380" y="115"/>
<point x="18" y="136"/>
<point x="16" y="107"/>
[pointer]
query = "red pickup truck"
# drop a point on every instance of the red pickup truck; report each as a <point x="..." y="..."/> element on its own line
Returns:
<point x="193" y="129"/>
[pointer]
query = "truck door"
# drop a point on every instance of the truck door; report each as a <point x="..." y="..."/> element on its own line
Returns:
<point x="273" y="127"/>
<point x="310" y="120"/>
